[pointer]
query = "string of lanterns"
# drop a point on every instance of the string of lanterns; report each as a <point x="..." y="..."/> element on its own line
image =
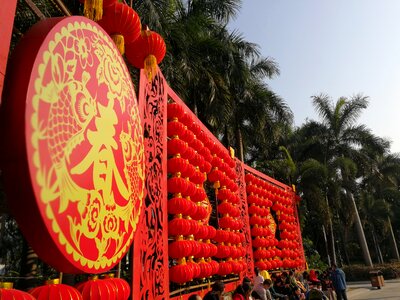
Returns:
<point x="259" y="198"/>
<point x="269" y="252"/>
<point x="143" y="48"/>
<point x="187" y="167"/>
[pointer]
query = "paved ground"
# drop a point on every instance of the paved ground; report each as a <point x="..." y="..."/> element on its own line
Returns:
<point x="364" y="291"/>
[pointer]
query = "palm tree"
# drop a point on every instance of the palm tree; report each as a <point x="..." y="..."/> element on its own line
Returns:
<point x="382" y="181"/>
<point x="336" y="141"/>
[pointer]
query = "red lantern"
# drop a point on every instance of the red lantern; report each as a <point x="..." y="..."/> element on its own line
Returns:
<point x="54" y="290"/>
<point x="211" y="232"/>
<point x="213" y="250"/>
<point x="221" y="236"/>
<point x="188" y="136"/>
<point x="225" y="268"/>
<point x="194" y="226"/>
<point x="195" y="268"/>
<point x="147" y="51"/>
<point x="179" y="226"/>
<point x="236" y="267"/>
<point x="176" y="146"/>
<point x="202" y="233"/>
<point x="189" y="154"/>
<point x="223" y="251"/>
<point x="8" y="293"/>
<point x="215" y="267"/>
<point x="174" y="110"/>
<point x="180" y="205"/>
<point x="199" y="195"/>
<point x="189" y="171"/>
<point x="96" y="289"/>
<point x="121" y="286"/>
<point x="198" y="177"/>
<point x="225" y="208"/>
<point x="205" y="269"/>
<point x="175" y="128"/>
<point x="176" y="164"/>
<point x="122" y="23"/>
<point x="225" y="222"/>
<point x="181" y="273"/>
<point x="177" y="185"/>
<point x="179" y="248"/>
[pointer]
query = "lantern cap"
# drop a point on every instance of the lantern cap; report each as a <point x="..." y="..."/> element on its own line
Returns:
<point x="6" y="285"/>
<point x="53" y="281"/>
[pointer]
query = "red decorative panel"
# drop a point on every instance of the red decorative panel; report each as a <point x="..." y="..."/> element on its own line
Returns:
<point x="74" y="160"/>
<point x="150" y="264"/>
<point x="249" y="272"/>
<point x="7" y="14"/>
<point x="275" y="228"/>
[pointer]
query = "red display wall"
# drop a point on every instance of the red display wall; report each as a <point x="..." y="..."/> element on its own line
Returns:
<point x="205" y="215"/>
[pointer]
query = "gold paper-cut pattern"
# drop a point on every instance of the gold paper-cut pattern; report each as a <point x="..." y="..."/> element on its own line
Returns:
<point x="88" y="146"/>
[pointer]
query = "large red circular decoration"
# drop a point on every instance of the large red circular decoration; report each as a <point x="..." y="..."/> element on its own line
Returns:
<point x="72" y="120"/>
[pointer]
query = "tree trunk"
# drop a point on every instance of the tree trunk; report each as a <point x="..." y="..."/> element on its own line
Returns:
<point x="377" y="250"/>
<point x="326" y="245"/>
<point x="360" y="233"/>
<point x="345" y="239"/>
<point x="394" y="244"/>
<point x="239" y="140"/>
<point x="331" y="235"/>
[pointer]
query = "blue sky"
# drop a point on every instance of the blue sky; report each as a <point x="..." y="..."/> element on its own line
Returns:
<point x="340" y="47"/>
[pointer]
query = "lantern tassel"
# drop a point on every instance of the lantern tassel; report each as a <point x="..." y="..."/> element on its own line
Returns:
<point x="93" y="9"/>
<point x="150" y="66"/>
<point x="119" y="42"/>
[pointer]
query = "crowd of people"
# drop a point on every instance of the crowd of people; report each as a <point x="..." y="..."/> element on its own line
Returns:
<point x="312" y="285"/>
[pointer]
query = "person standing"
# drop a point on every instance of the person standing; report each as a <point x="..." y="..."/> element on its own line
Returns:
<point x="339" y="282"/>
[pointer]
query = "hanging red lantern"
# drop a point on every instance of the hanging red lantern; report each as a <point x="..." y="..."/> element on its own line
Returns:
<point x="221" y="236"/>
<point x="8" y="293"/>
<point x="215" y="267"/>
<point x="55" y="291"/>
<point x="225" y="222"/>
<point x="236" y="267"/>
<point x="211" y="232"/>
<point x="179" y="205"/>
<point x="179" y="226"/>
<point x="198" y="177"/>
<point x="213" y="250"/>
<point x="176" y="146"/>
<point x="177" y="164"/>
<point x="195" y="268"/>
<point x="122" y="23"/>
<point x="179" y="248"/>
<point x="174" y="110"/>
<point x="194" y="227"/>
<point x="189" y="154"/>
<point x="225" y="268"/>
<point x="191" y="188"/>
<point x="121" y="286"/>
<point x="200" y="214"/>
<point x="202" y="233"/>
<point x="205" y="269"/>
<point x="188" y="136"/>
<point x="225" y="208"/>
<point x="97" y="289"/>
<point x="177" y="185"/>
<point x="147" y="51"/>
<point x="181" y="273"/>
<point x="199" y="195"/>
<point x="223" y="251"/>
<point x="175" y="128"/>
<point x="204" y="250"/>
<point x="93" y="9"/>
<point x="189" y="171"/>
